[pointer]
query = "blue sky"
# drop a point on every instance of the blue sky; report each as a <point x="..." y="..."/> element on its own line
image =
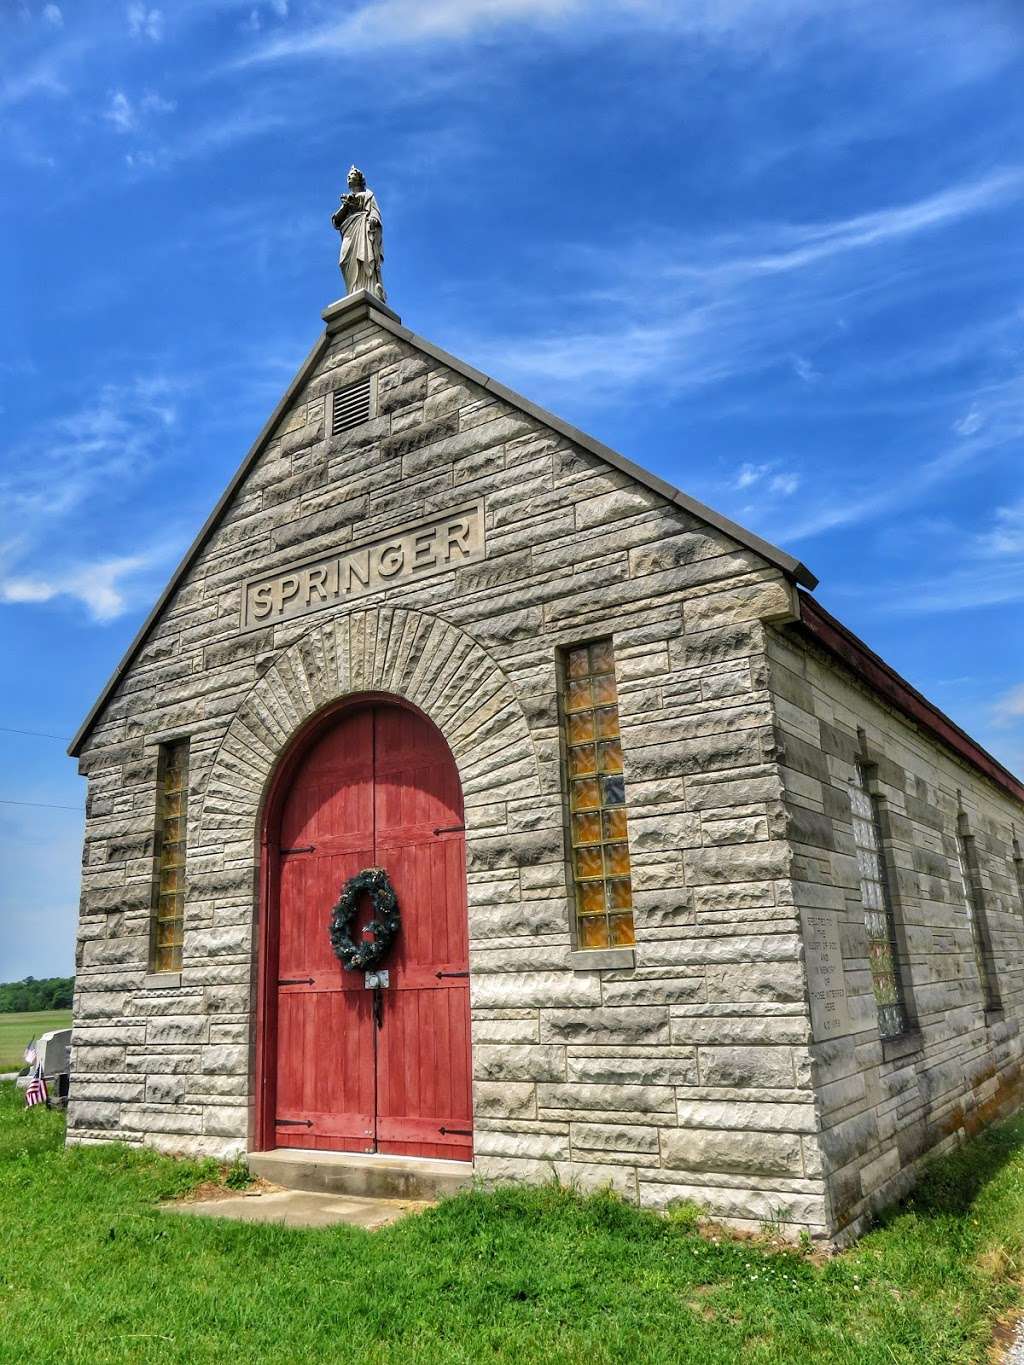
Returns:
<point x="771" y="249"/>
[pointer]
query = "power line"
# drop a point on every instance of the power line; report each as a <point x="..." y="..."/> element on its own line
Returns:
<point x="37" y="734"/>
<point x="39" y="805"/>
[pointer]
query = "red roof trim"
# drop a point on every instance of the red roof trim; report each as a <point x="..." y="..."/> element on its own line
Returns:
<point x="887" y="683"/>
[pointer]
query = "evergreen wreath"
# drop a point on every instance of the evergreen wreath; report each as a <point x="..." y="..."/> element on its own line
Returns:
<point x="363" y="953"/>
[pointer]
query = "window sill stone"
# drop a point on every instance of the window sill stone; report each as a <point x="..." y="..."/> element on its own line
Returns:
<point x="895" y="1048"/>
<point x="601" y="959"/>
<point x="994" y="1017"/>
<point x="161" y="980"/>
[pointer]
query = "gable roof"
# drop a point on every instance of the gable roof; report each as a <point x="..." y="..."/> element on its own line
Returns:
<point x="357" y="308"/>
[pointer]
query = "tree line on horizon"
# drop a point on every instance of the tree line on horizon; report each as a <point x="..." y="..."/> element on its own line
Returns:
<point x="46" y="993"/>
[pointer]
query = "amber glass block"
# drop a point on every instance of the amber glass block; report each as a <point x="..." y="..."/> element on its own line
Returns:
<point x="579" y="698"/>
<point x="606" y="723"/>
<point x="581" y="727"/>
<point x="602" y="657"/>
<point x="616" y="860"/>
<point x="590" y="897"/>
<point x="597" y="798"/>
<point x="585" y="794"/>
<point x="588" y="861"/>
<point x="586" y="828"/>
<point x="593" y="931"/>
<point x="583" y="759"/>
<point x="620" y="894"/>
<point x="604" y="690"/>
<point x="613" y="823"/>
<point x="578" y="665"/>
<point x="620" y="930"/>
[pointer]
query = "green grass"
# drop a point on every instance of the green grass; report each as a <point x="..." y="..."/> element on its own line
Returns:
<point x="18" y="1029"/>
<point x="91" y="1271"/>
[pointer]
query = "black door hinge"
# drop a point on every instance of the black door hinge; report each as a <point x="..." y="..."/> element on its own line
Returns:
<point x="297" y="981"/>
<point x="450" y="829"/>
<point x="457" y="1132"/>
<point x="440" y="974"/>
<point x="305" y="848"/>
<point x="294" y="1123"/>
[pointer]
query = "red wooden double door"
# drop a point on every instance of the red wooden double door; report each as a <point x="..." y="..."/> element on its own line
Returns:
<point x="350" y="1069"/>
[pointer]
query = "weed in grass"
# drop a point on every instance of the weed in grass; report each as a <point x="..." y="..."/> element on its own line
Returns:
<point x="92" y="1273"/>
<point x="237" y="1175"/>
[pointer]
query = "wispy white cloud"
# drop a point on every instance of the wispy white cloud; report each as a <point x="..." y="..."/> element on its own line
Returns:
<point x="692" y="311"/>
<point x="145" y="23"/>
<point x="120" y="113"/>
<point x="1006" y="537"/>
<point x="90" y="449"/>
<point x="1009" y="708"/>
<point x="52" y="15"/>
<point x="768" y="29"/>
<point x="102" y="587"/>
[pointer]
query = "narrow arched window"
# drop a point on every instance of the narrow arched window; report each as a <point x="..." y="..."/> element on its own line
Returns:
<point x="879" y="920"/>
<point x="168" y="920"/>
<point x="602" y="885"/>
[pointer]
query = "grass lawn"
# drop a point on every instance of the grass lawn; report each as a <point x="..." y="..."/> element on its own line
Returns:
<point x="91" y="1271"/>
<point x="18" y="1029"/>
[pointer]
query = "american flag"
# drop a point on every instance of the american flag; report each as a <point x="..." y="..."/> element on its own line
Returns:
<point x="36" y="1092"/>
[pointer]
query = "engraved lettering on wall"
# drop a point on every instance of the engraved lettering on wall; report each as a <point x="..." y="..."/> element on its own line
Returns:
<point x="399" y="557"/>
<point x="826" y="979"/>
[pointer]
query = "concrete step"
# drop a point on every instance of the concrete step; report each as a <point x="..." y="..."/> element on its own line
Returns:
<point x="367" y="1177"/>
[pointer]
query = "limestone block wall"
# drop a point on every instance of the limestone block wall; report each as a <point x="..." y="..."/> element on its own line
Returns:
<point x="680" y="1071"/>
<point x="885" y="1105"/>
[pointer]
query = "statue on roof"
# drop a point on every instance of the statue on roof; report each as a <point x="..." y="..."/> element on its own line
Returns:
<point x="362" y="237"/>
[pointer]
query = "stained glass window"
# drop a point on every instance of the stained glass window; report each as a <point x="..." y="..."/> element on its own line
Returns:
<point x="597" y="799"/>
<point x="878" y="915"/>
<point x="970" y="898"/>
<point x="169" y="876"/>
<point x="1018" y="867"/>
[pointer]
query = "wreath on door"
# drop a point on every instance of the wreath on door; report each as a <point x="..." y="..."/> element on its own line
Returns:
<point x="361" y="954"/>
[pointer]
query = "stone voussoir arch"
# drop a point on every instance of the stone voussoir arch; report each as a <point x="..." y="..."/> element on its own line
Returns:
<point x="410" y="654"/>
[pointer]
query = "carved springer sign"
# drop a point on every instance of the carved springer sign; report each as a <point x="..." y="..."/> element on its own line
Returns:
<point x="402" y="556"/>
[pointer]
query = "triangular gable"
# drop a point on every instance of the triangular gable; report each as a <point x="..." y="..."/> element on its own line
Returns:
<point x="362" y="307"/>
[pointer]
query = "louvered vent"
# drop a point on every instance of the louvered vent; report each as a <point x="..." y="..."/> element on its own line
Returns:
<point x="350" y="406"/>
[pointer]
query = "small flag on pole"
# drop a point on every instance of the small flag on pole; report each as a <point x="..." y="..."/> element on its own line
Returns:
<point x="36" y="1092"/>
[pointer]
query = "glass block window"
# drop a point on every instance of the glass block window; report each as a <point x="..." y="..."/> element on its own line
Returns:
<point x="878" y="914"/>
<point x="169" y="876"/>
<point x="597" y="799"/>
<point x="970" y="898"/>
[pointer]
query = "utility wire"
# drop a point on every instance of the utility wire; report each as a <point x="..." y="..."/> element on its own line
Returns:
<point x="39" y="805"/>
<point x="37" y="734"/>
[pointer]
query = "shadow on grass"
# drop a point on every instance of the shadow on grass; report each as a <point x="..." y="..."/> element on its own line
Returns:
<point x="950" y="1184"/>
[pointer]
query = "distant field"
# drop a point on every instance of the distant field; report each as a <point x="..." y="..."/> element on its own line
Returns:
<point x="18" y="1029"/>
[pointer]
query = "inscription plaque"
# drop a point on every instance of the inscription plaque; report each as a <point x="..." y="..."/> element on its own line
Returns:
<point x="826" y="982"/>
<point x="405" y="555"/>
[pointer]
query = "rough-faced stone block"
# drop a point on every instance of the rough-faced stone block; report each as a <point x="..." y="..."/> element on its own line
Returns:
<point x="747" y="1153"/>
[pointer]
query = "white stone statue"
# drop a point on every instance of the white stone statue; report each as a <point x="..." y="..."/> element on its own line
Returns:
<point x="362" y="237"/>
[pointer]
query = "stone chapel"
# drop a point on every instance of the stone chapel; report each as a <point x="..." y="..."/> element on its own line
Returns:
<point x="696" y="897"/>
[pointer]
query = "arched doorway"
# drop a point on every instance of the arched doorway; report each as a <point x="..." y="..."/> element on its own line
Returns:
<point x="342" y="1067"/>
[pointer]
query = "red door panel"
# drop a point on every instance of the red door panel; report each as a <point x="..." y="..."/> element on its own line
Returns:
<point x="379" y="788"/>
